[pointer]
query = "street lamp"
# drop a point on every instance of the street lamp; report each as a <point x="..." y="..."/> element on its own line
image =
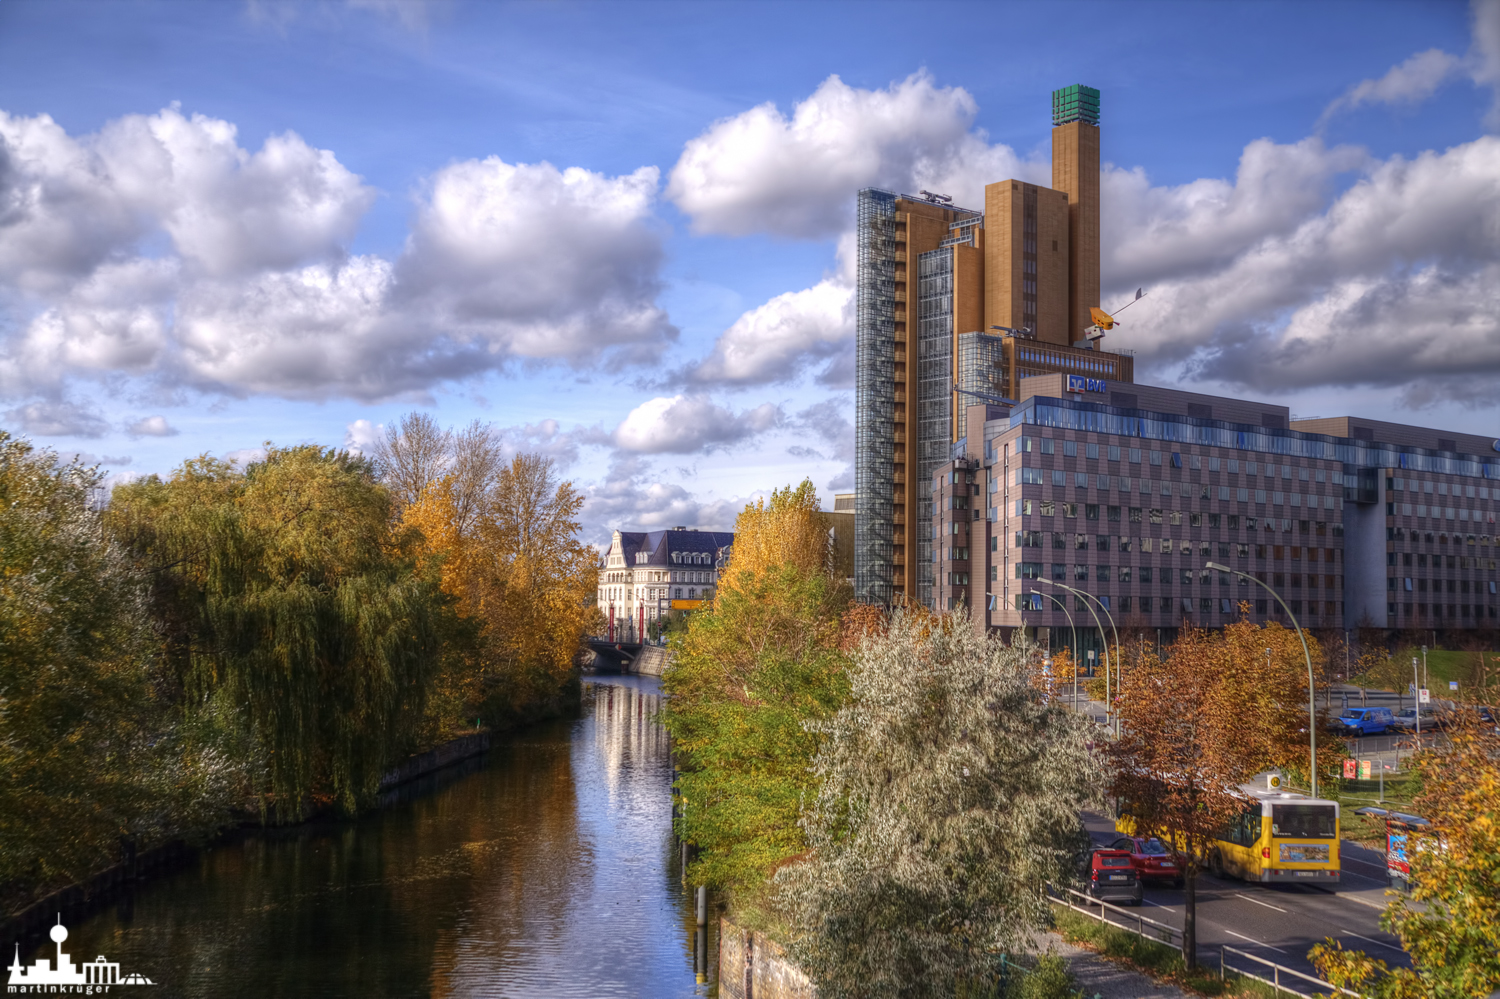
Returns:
<point x="1103" y="638"/>
<point x="1053" y="597"/>
<point x="1312" y="708"/>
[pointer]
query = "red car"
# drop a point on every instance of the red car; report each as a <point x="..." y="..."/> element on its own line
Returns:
<point x="1152" y="861"/>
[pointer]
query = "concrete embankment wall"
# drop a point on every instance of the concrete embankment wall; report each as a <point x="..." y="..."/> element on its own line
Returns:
<point x="751" y="966"/>
<point x="652" y="661"/>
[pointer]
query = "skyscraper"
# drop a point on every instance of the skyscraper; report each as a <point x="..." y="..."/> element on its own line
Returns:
<point x="955" y="306"/>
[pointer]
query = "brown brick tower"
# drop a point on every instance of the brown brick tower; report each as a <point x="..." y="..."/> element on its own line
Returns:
<point x="1075" y="172"/>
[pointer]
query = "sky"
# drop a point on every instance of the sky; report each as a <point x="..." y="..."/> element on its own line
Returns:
<point x="620" y="233"/>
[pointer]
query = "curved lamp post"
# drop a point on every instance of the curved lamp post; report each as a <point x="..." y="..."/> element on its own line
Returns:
<point x="1312" y="710"/>
<point x="1053" y="597"/>
<point x="1103" y="637"/>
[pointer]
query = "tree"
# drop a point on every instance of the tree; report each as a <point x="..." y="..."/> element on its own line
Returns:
<point x="948" y="795"/>
<point x="89" y="752"/>
<point x="746" y="677"/>
<point x="506" y="535"/>
<point x="296" y="608"/>
<point x="785" y="531"/>
<point x="1451" y="924"/>
<point x="1198" y="723"/>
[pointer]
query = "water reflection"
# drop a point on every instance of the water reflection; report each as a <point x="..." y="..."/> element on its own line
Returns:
<point x="548" y="870"/>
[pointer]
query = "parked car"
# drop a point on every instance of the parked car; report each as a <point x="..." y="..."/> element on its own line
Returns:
<point x="1405" y="720"/>
<point x="1112" y="877"/>
<point x="1365" y="721"/>
<point x="1152" y="861"/>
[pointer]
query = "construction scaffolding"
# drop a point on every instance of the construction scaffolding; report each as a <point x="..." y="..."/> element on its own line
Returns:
<point x="875" y="397"/>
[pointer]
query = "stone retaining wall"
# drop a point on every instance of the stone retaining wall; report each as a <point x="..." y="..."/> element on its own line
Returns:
<point x="752" y="966"/>
<point x="652" y="661"/>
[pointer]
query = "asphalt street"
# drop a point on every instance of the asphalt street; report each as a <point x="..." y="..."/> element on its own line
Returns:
<point x="1279" y="923"/>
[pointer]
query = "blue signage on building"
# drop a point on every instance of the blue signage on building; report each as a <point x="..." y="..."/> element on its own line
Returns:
<point x="1078" y="383"/>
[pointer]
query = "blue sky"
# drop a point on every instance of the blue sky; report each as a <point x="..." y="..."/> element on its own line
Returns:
<point x="613" y="230"/>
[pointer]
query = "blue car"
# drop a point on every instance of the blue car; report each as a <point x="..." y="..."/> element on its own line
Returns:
<point x="1366" y="721"/>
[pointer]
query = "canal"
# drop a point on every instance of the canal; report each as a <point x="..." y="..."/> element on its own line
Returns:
<point x="545" y="868"/>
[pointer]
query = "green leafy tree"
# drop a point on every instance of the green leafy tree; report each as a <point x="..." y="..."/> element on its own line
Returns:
<point x="948" y="795"/>
<point x="88" y="753"/>
<point x="292" y="607"/>
<point x="747" y="676"/>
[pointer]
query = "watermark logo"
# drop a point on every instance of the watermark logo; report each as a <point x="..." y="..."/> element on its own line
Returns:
<point x="94" y="978"/>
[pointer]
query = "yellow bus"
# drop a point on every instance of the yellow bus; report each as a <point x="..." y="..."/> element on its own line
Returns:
<point x="1280" y="838"/>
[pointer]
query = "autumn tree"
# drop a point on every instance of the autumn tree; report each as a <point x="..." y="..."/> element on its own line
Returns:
<point x="1195" y="725"/>
<point x="948" y="795"/>
<point x="294" y="606"/>
<point x="506" y="535"/>
<point x="1450" y="925"/>
<point x="785" y="531"/>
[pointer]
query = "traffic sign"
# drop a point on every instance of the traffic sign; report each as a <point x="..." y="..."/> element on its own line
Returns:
<point x="1452" y="684"/>
<point x="1424" y="696"/>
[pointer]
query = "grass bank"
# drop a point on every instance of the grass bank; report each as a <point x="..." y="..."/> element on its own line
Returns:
<point x="1158" y="960"/>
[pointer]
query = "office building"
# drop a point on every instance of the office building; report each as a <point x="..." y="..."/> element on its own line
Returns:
<point x="957" y="306"/>
<point x="1125" y="491"/>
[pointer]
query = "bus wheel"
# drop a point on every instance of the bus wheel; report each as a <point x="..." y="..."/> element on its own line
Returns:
<point x="1216" y="864"/>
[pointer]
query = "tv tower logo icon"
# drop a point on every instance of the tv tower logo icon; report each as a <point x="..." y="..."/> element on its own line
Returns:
<point x="85" y="978"/>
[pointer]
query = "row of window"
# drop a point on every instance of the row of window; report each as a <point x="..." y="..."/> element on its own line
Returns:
<point x="1439" y="512"/>
<point x="1453" y="561"/>
<point x="1454" y="610"/>
<point x="1031" y="475"/>
<point x="656" y="593"/>
<point x="1171" y="605"/>
<point x="1176" y="459"/>
<point x="1419" y="537"/>
<point x="1104" y="542"/>
<point x="1089" y="417"/>
<point x="1172" y="518"/>
<point x="1396" y="484"/>
<point x="1406" y="583"/>
<point x="1165" y="576"/>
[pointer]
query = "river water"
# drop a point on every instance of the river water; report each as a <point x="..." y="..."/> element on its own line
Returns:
<point x="545" y="868"/>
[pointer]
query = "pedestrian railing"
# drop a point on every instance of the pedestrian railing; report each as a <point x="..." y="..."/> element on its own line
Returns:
<point x="1152" y="930"/>
<point x="1276" y="971"/>
<point x="1159" y="932"/>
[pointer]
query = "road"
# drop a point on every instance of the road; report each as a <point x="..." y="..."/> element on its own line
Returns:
<point x="1280" y="923"/>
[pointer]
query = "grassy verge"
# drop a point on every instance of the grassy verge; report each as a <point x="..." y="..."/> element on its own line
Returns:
<point x="1157" y="960"/>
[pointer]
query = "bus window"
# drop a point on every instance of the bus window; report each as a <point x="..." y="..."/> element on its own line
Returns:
<point x="1305" y="821"/>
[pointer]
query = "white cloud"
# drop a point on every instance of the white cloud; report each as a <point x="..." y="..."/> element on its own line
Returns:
<point x="632" y="497"/>
<point x="1393" y="284"/>
<point x="361" y="436"/>
<point x="762" y="171"/>
<point x="773" y="341"/>
<point x="240" y="457"/>
<point x="87" y="458"/>
<point x="1412" y="82"/>
<point x="160" y="248"/>
<point x="536" y="262"/>
<point x="58" y="419"/>
<point x="152" y="426"/>
<point x="683" y="424"/>
<point x="829" y="422"/>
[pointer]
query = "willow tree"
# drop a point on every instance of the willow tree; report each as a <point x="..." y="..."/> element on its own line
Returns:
<point x="948" y="795"/>
<point x="293" y="604"/>
<point x="75" y="693"/>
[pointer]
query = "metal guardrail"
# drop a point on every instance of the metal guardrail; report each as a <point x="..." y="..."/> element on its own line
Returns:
<point x="1161" y="932"/>
<point x="1276" y="972"/>
<point x="1172" y="937"/>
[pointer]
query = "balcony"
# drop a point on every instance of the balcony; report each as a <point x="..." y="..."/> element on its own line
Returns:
<point x="899" y="296"/>
<point x="900" y="437"/>
<point x="900" y="256"/>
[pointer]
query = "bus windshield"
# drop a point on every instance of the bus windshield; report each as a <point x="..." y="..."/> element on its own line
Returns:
<point x="1305" y="821"/>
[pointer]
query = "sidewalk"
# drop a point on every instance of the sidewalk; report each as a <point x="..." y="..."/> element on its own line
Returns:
<point x="1099" y="976"/>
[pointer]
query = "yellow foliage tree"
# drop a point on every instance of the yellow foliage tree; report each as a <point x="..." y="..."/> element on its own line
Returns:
<point x="785" y="531"/>
<point x="512" y="559"/>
